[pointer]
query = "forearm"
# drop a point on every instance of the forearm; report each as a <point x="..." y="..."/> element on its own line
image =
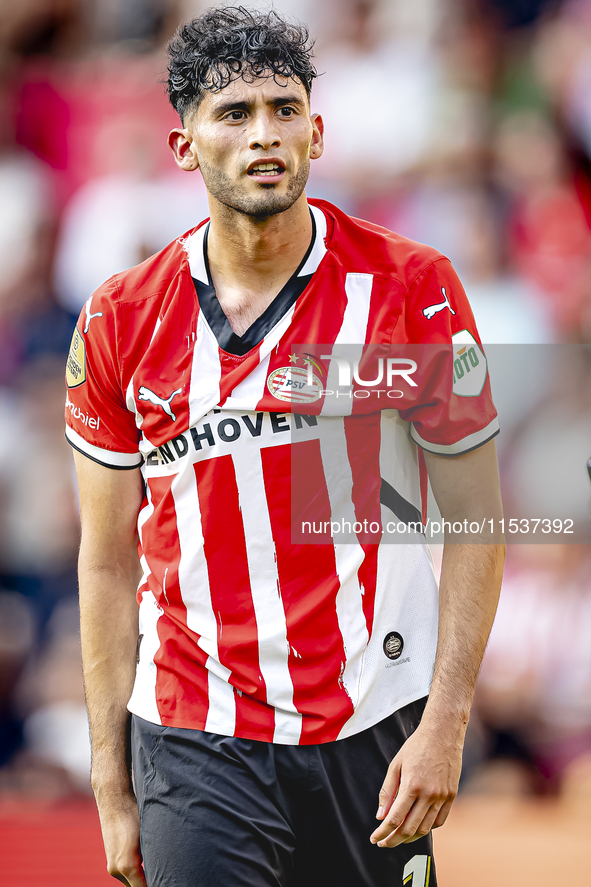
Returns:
<point x="109" y="632"/>
<point x="466" y="489"/>
<point x="470" y="583"/>
<point x="422" y="780"/>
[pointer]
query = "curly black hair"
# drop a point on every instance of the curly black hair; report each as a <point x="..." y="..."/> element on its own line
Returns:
<point x="210" y="51"/>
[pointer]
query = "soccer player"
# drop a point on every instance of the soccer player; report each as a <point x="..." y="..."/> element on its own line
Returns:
<point x="287" y="690"/>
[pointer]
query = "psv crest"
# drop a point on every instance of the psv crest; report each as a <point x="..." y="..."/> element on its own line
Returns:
<point x="298" y="382"/>
<point x="76" y="362"/>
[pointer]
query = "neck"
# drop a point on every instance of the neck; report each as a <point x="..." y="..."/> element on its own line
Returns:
<point x="259" y="250"/>
<point x="251" y="259"/>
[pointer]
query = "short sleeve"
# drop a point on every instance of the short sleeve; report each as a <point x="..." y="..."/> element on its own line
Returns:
<point x="452" y="411"/>
<point x="98" y="422"/>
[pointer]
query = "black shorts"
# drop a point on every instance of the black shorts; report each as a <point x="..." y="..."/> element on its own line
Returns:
<point x="218" y="811"/>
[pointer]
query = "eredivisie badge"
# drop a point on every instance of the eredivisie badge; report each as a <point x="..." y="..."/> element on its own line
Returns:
<point x="76" y="362"/>
<point x="297" y="384"/>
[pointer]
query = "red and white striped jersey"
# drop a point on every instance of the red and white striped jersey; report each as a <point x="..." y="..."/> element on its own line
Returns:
<point x="259" y="618"/>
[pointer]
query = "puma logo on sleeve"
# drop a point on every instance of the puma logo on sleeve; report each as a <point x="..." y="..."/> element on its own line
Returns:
<point x="146" y="394"/>
<point x="90" y="316"/>
<point x="433" y="309"/>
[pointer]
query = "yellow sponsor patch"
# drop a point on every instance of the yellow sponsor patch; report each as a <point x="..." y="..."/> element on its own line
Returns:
<point x="76" y="363"/>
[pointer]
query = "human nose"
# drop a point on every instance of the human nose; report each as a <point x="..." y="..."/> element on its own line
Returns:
<point x="264" y="133"/>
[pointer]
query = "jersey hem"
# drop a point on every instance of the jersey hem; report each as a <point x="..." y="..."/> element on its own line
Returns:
<point x="371" y="722"/>
<point x="120" y="461"/>
<point x="465" y="445"/>
<point x="252" y="735"/>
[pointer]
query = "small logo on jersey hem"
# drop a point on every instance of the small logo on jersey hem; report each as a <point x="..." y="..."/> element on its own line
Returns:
<point x="76" y="362"/>
<point x="393" y="645"/>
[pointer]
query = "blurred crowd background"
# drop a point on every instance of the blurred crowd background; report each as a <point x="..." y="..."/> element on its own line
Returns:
<point x="465" y="124"/>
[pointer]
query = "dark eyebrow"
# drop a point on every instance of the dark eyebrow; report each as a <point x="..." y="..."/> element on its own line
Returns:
<point x="288" y="100"/>
<point x="225" y="107"/>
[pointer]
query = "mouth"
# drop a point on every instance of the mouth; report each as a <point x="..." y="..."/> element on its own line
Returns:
<point x="267" y="170"/>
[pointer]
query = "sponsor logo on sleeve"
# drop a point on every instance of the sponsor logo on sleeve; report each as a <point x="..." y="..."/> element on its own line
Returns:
<point x="147" y="394"/>
<point x="89" y="316"/>
<point x="81" y="416"/>
<point x="431" y="310"/>
<point x="470" y="368"/>
<point x="76" y="362"/>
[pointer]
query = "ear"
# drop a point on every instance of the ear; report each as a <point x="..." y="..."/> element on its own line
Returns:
<point x="180" y="142"/>
<point x="317" y="142"/>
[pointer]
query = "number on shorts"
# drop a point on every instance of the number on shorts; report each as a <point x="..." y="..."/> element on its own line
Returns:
<point x="417" y="871"/>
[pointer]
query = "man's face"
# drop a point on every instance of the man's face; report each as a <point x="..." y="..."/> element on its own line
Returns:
<point x="253" y="143"/>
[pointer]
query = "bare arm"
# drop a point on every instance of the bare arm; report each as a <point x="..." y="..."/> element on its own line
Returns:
<point x="422" y="780"/>
<point x="108" y="575"/>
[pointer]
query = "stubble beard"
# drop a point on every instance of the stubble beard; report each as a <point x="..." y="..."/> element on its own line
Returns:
<point x="267" y="203"/>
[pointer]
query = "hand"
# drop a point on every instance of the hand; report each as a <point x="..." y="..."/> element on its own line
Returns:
<point x="420" y="786"/>
<point x="120" y="825"/>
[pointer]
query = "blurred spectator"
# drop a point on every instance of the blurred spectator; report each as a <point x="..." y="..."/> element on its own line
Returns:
<point x="552" y="240"/>
<point x="562" y="58"/>
<point x="137" y="23"/>
<point x="52" y="695"/>
<point x="534" y="693"/>
<point x="38" y="520"/>
<point x="378" y="99"/>
<point x="17" y="635"/>
<point x="26" y="230"/>
<point x="24" y="196"/>
<point x="55" y="758"/>
<point x="117" y="220"/>
<point x="39" y="27"/>
<point x="544" y="466"/>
